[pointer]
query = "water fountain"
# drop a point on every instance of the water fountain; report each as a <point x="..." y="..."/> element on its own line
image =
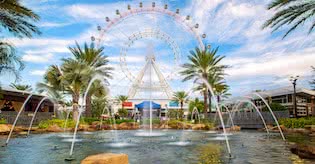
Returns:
<point x="36" y="110"/>
<point x="257" y="110"/>
<point x="270" y="110"/>
<point x="229" y="113"/>
<point x="196" y="112"/>
<point x="17" y="117"/>
<point x="219" y="113"/>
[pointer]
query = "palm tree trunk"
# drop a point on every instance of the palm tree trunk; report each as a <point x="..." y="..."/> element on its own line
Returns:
<point x="210" y="102"/>
<point x="205" y="99"/>
<point x="75" y="101"/>
<point x="88" y="107"/>
<point x="218" y="99"/>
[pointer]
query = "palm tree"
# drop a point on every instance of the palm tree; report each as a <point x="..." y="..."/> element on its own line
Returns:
<point x="9" y="61"/>
<point x="195" y="103"/>
<point x="122" y="99"/>
<point x="21" y="87"/>
<point x="180" y="97"/>
<point x="222" y="92"/>
<point x="93" y="58"/>
<point x="16" y="19"/>
<point x="202" y="63"/>
<point x="291" y="12"/>
<point x="216" y="80"/>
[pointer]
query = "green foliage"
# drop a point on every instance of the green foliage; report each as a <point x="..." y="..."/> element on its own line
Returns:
<point x="3" y="121"/>
<point x="124" y="120"/>
<point x="180" y="97"/>
<point x="123" y="112"/>
<point x="289" y="12"/>
<point x="297" y="122"/>
<point x="196" y="103"/>
<point x="154" y="121"/>
<point x="21" y="87"/>
<point x="173" y="113"/>
<point x="98" y="105"/>
<point x="209" y="154"/>
<point x="275" y="107"/>
<point x="60" y="123"/>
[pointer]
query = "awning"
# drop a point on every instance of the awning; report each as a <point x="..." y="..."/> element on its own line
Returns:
<point x="146" y="105"/>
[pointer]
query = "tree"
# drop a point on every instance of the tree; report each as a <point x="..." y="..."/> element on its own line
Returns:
<point x="122" y="99"/>
<point x="275" y="107"/>
<point x="180" y="97"/>
<point x="312" y="82"/>
<point x="95" y="59"/>
<point x="15" y="19"/>
<point x="21" y="87"/>
<point x="202" y="63"/>
<point x="291" y="12"/>
<point x="196" y="103"/>
<point x="123" y="112"/>
<point x="9" y="61"/>
<point x="98" y="105"/>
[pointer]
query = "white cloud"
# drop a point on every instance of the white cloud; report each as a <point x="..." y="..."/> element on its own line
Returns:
<point x="37" y="58"/>
<point x="273" y="64"/>
<point x="37" y="72"/>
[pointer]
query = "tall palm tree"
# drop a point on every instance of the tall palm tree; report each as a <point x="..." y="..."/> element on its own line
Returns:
<point x="95" y="59"/>
<point x="216" y="80"/>
<point x="122" y="99"/>
<point x="291" y="12"/>
<point x="222" y="92"/>
<point x="9" y="61"/>
<point x="202" y="63"/>
<point x="21" y="87"/>
<point x="15" y="19"/>
<point x="180" y="97"/>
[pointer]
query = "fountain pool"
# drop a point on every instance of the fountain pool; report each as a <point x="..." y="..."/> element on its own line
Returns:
<point x="247" y="147"/>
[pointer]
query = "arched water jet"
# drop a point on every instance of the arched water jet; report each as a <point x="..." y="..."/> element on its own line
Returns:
<point x="259" y="113"/>
<point x="227" y="109"/>
<point x="36" y="110"/>
<point x="68" y="111"/>
<point x="101" y="119"/>
<point x="17" y="117"/>
<point x="274" y="117"/>
<point x="195" y="110"/>
<point x="220" y="114"/>
<point x="81" y="109"/>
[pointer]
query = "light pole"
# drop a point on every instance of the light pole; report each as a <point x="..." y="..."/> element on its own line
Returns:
<point x="293" y="80"/>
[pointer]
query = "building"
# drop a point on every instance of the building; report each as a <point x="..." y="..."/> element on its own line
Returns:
<point x="11" y="101"/>
<point x="285" y="96"/>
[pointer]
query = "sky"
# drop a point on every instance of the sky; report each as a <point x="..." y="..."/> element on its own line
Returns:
<point x="257" y="58"/>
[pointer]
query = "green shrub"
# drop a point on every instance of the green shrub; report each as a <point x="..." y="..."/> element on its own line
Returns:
<point x="147" y="121"/>
<point x="60" y="123"/>
<point x="297" y="122"/>
<point x="275" y="107"/>
<point x="125" y="120"/>
<point x="3" y="121"/>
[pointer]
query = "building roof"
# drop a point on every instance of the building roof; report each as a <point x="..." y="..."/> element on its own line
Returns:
<point x="285" y="91"/>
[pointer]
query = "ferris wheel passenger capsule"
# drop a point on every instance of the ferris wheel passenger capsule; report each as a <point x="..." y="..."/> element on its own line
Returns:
<point x="197" y="25"/>
<point x="177" y="11"/>
<point x="140" y="4"/>
<point x="153" y="4"/>
<point x="204" y="35"/>
<point x="117" y="12"/>
<point x="208" y="46"/>
<point x="129" y="8"/>
<point x="165" y="6"/>
<point x="92" y="38"/>
<point x="187" y="17"/>
<point x="107" y="19"/>
<point x="99" y="28"/>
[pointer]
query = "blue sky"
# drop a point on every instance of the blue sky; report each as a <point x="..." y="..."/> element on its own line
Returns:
<point x="257" y="58"/>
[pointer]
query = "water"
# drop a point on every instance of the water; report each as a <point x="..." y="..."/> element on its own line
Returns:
<point x="247" y="147"/>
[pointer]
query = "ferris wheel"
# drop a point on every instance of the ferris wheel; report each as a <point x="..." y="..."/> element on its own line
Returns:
<point x="110" y="24"/>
